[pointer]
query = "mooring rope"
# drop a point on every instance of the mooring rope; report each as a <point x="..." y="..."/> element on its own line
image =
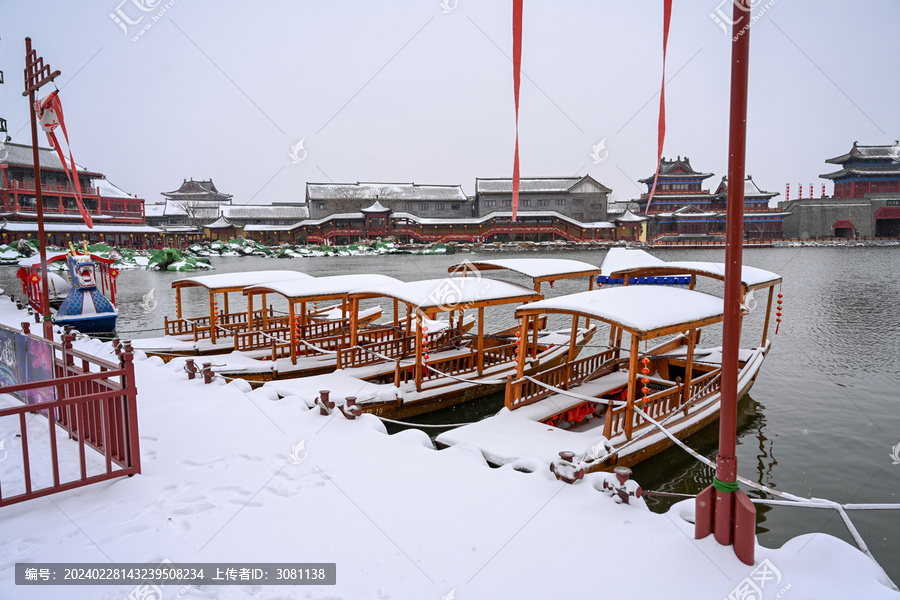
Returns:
<point x="465" y="380"/>
<point x="386" y="420"/>
<point x="317" y="348"/>
<point x="615" y="403"/>
<point x="794" y="500"/>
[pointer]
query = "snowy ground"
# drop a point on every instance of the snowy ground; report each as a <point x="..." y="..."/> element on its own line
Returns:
<point x="234" y="475"/>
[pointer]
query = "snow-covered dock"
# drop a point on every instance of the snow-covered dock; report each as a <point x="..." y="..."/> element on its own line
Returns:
<point x="235" y="475"/>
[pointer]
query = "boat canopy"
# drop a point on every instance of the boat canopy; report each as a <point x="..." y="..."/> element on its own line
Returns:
<point x="321" y="287"/>
<point x="452" y="293"/>
<point x="622" y="262"/>
<point x="233" y="282"/>
<point x="538" y="269"/>
<point x="646" y="311"/>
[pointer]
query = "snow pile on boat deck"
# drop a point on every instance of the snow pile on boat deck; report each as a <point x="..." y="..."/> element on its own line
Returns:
<point x="234" y="475"/>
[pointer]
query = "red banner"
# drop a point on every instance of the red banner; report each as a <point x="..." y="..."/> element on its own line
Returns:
<point x="667" y="16"/>
<point x="50" y="115"/>
<point x="517" y="78"/>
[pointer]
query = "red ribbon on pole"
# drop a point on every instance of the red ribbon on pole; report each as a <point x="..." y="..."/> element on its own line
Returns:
<point x="667" y="16"/>
<point x="50" y="115"/>
<point x="517" y="78"/>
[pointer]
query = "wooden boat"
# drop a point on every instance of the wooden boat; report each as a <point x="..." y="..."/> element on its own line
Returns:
<point x="420" y="370"/>
<point x="215" y="330"/>
<point x="307" y="339"/>
<point x="80" y="303"/>
<point x="595" y="406"/>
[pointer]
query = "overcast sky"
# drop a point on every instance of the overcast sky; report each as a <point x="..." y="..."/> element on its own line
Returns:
<point x="417" y="91"/>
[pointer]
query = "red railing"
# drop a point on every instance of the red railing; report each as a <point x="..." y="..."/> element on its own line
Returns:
<point x="57" y="188"/>
<point x="96" y="406"/>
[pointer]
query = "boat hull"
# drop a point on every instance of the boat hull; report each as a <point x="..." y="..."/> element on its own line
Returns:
<point x="437" y="399"/>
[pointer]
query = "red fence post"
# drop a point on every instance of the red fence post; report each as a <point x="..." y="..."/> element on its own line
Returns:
<point x="130" y="388"/>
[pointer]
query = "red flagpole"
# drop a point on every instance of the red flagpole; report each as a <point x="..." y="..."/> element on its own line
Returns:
<point x="722" y="509"/>
<point x="36" y="75"/>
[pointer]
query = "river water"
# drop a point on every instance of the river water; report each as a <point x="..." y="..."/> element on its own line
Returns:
<point x="821" y="420"/>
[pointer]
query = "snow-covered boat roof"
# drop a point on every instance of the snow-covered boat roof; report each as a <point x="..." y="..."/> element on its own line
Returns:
<point x="226" y="282"/>
<point x="539" y="269"/>
<point x="624" y="261"/>
<point x="319" y="287"/>
<point x="452" y="293"/>
<point x="649" y="311"/>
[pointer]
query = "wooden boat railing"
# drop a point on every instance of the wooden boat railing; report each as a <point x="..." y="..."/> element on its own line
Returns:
<point x="498" y="354"/>
<point x="199" y="327"/>
<point x="524" y="392"/>
<point x="451" y="365"/>
<point x="663" y="403"/>
<point x="365" y="354"/>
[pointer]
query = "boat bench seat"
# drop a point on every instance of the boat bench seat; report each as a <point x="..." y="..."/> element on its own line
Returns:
<point x="556" y="403"/>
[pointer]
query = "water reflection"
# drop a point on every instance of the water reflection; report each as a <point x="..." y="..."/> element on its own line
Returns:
<point x="676" y="471"/>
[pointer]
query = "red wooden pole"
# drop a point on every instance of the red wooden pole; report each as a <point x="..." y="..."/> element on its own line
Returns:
<point x="716" y="506"/>
<point x="36" y="75"/>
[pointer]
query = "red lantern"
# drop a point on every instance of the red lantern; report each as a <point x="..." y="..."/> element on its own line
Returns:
<point x="778" y="313"/>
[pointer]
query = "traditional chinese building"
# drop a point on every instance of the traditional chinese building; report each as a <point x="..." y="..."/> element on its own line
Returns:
<point x="421" y="200"/>
<point x="584" y="199"/>
<point x="865" y="201"/>
<point x="117" y="215"/>
<point x="682" y="210"/>
<point x="188" y="208"/>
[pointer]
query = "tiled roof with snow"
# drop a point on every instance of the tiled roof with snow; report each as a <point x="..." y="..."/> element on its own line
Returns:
<point x="220" y="223"/>
<point x="531" y="185"/>
<point x="630" y="217"/>
<point x="198" y="188"/>
<point x="881" y="152"/>
<point x="247" y="211"/>
<point x="889" y="170"/>
<point x="375" y="208"/>
<point x="385" y="191"/>
<point x="155" y="210"/>
<point x="23" y="156"/>
<point x="199" y="208"/>
<point x="673" y="169"/>
<point x="108" y="190"/>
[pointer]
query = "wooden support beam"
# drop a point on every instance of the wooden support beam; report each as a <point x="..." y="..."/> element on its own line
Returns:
<point x="294" y="340"/>
<point x="765" y="332"/>
<point x="480" y="343"/>
<point x="632" y="384"/>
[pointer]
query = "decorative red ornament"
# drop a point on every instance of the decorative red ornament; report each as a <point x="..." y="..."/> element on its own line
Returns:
<point x="778" y="311"/>
<point x="34" y="279"/>
<point x="551" y="283"/>
<point x="113" y="273"/>
<point x="645" y="380"/>
<point x="645" y="371"/>
<point x="646" y="391"/>
<point x="50" y="115"/>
